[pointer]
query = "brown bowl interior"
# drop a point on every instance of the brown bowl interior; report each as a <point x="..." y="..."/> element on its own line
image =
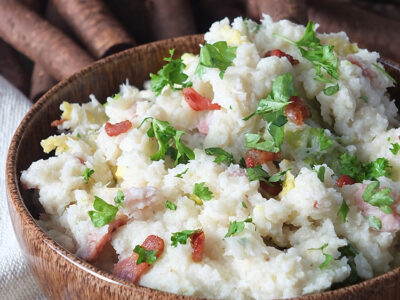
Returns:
<point x="59" y="273"/>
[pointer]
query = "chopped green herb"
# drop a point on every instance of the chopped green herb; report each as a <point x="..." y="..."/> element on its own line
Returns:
<point x="181" y="174"/>
<point x="166" y="135"/>
<point x="388" y="139"/>
<point x="364" y="98"/>
<point x="257" y="173"/>
<point x="104" y="214"/>
<point x="381" y="199"/>
<point x="119" y="199"/>
<point x="321" y="138"/>
<point x="230" y="107"/>
<point x="395" y="148"/>
<point x="78" y="135"/>
<point x="322" y="57"/>
<point x="148" y="256"/>
<point x="201" y="191"/>
<point x="321" y="173"/>
<point x="170" y="205"/>
<point x="253" y="141"/>
<point x="349" y="165"/>
<point x="244" y="204"/>
<point x="221" y="155"/>
<point x="328" y="257"/>
<point x="242" y="163"/>
<point x="350" y="252"/>
<point x="278" y="176"/>
<point x="343" y="211"/>
<point x="171" y="74"/>
<point x="86" y="174"/>
<point x="385" y="73"/>
<point x="237" y="227"/>
<point x="331" y="90"/>
<point x="374" y="222"/>
<point x="218" y="55"/>
<point x="116" y="96"/>
<point x="181" y="237"/>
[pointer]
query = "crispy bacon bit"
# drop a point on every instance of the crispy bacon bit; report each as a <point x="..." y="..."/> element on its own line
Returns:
<point x="197" y="240"/>
<point x="57" y="123"/>
<point x="197" y="102"/>
<point x="271" y="189"/>
<point x="97" y="240"/>
<point x="128" y="269"/>
<point x="280" y="54"/>
<point x="118" y="128"/>
<point x="258" y="157"/>
<point x="345" y="180"/>
<point x="296" y="110"/>
<point x="315" y="205"/>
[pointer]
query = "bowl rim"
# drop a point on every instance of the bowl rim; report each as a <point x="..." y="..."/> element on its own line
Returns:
<point x="15" y="197"/>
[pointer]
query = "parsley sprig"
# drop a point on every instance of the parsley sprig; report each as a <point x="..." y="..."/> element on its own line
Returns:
<point x="374" y="222"/>
<point x="119" y="199"/>
<point x="104" y="213"/>
<point x="328" y="257"/>
<point x="182" y="236"/>
<point x="395" y="148"/>
<point x="343" y="211"/>
<point x="202" y="191"/>
<point x="321" y="56"/>
<point x="171" y="74"/>
<point x="349" y="165"/>
<point x="221" y="156"/>
<point x="86" y="174"/>
<point x="379" y="198"/>
<point x="167" y="136"/>
<point x="258" y="173"/>
<point x="237" y="227"/>
<point x="148" y="256"/>
<point x="218" y="55"/>
<point x="350" y="252"/>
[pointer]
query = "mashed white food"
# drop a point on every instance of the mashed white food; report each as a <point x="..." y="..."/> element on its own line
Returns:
<point x="330" y="218"/>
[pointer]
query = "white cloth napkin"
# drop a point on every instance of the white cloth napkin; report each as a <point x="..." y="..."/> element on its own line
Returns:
<point x="16" y="281"/>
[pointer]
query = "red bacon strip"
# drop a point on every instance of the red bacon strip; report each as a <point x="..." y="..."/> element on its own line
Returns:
<point x="345" y="180"/>
<point x="197" y="102"/>
<point x="280" y="54"/>
<point x="197" y="240"/>
<point x="296" y="110"/>
<point x="258" y="157"/>
<point x="57" y="123"/>
<point x="128" y="269"/>
<point x="118" y="128"/>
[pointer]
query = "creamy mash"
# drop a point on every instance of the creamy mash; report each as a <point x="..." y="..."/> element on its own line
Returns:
<point x="268" y="166"/>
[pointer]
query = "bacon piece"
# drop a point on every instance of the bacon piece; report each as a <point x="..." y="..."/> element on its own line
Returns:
<point x="57" y="123"/>
<point x="197" y="102"/>
<point x="197" y="240"/>
<point x="390" y="222"/>
<point x="296" y="110"/>
<point x="280" y="54"/>
<point x="315" y="205"/>
<point x="128" y="269"/>
<point x="137" y="198"/>
<point x="271" y="189"/>
<point x="345" y="180"/>
<point x="118" y="128"/>
<point x="258" y="157"/>
<point x="366" y="71"/>
<point x="96" y="239"/>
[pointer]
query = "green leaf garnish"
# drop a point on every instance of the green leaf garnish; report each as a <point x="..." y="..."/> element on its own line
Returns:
<point x="395" y="148"/>
<point x="328" y="257"/>
<point x="364" y="98"/>
<point x="257" y="173"/>
<point x="86" y="174"/>
<point x="244" y="204"/>
<point x="278" y="176"/>
<point x="343" y="211"/>
<point x="322" y="57"/>
<point x="350" y="252"/>
<point x="218" y="55"/>
<point x="331" y="90"/>
<point x="182" y="236"/>
<point x="381" y="199"/>
<point x="324" y="141"/>
<point x="221" y="155"/>
<point x="180" y="174"/>
<point x="385" y="73"/>
<point x="119" y="199"/>
<point x="253" y="141"/>
<point x="104" y="214"/>
<point x="148" y="256"/>
<point x="374" y="222"/>
<point x="349" y="165"/>
<point x="171" y="74"/>
<point x="166" y="136"/>
<point x="321" y="173"/>
<point x="170" y="205"/>
<point x="201" y="191"/>
<point x="237" y="227"/>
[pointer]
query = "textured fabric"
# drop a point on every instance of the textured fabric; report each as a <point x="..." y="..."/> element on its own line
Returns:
<point x="16" y="281"/>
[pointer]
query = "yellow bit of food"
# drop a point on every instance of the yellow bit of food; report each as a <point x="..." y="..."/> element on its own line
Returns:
<point x="233" y="36"/>
<point x="196" y="199"/>
<point x="55" y="142"/>
<point x="341" y="46"/>
<point x="288" y="183"/>
<point x="187" y="58"/>
<point x="67" y="109"/>
<point x="119" y="173"/>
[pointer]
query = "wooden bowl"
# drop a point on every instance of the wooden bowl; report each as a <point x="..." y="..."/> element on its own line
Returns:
<point x="59" y="273"/>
